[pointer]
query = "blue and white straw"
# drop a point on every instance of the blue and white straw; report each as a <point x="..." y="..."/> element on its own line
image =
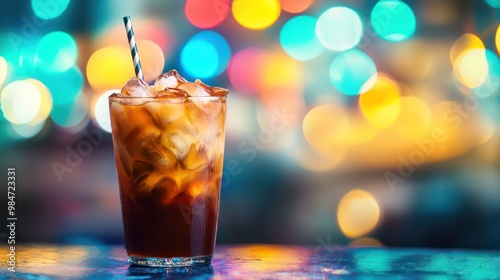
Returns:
<point x="133" y="47"/>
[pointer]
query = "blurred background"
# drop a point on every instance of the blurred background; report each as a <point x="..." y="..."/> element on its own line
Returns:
<point x="349" y="122"/>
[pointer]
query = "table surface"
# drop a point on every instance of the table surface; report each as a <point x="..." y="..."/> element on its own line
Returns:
<point x="252" y="261"/>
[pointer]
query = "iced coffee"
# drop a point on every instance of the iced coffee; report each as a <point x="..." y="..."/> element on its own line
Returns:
<point x="169" y="145"/>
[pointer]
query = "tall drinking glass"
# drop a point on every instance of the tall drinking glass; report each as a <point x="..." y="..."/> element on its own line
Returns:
<point x="169" y="153"/>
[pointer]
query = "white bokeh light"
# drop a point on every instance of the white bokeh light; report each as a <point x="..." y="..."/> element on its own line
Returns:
<point x="101" y="111"/>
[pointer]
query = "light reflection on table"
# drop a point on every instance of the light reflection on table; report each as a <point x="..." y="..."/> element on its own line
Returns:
<point x="257" y="262"/>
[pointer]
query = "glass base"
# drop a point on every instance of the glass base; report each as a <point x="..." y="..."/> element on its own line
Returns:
<point x="171" y="262"/>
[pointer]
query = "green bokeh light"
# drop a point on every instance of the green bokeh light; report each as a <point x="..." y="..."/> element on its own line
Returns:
<point x="49" y="9"/>
<point x="351" y="70"/>
<point x="205" y="55"/>
<point x="339" y="28"/>
<point x="26" y="131"/>
<point x="492" y="83"/>
<point x="70" y="115"/>
<point x="493" y="3"/>
<point x="298" y="38"/>
<point x="64" y="86"/>
<point x="57" y="51"/>
<point x="393" y="20"/>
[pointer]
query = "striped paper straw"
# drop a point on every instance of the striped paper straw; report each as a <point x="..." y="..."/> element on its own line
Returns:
<point x="133" y="47"/>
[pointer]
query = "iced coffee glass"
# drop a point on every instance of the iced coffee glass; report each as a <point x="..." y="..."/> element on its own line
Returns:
<point x="169" y="145"/>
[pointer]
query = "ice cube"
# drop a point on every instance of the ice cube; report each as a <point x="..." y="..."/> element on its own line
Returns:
<point x="194" y="159"/>
<point x="212" y="91"/>
<point x="208" y="109"/>
<point x="218" y="91"/>
<point x="179" y="144"/>
<point x="171" y="79"/>
<point x="166" y="114"/>
<point x="171" y="92"/>
<point x="137" y="88"/>
<point x="195" y="89"/>
<point x="163" y="158"/>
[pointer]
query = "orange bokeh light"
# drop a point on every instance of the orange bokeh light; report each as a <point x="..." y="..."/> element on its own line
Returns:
<point x="295" y="6"/>
<point x="206" y="14"/>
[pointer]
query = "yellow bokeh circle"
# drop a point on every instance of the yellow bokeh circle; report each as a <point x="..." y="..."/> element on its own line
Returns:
<point x="358" y="213"/>
<point x="280" y="70"/>
<point x="497" y="39"/>
<point x="20" y="102"/>
<point x="324" y="127"/>
<point x="256" y="14"/>
<point x="414" y="120"/>
<point x="45" y="102"/>
<point x="466" y="42"/>
<point x="471" y="68"/>
<point x="381" y="103"/>
<point x="110" y="67"/>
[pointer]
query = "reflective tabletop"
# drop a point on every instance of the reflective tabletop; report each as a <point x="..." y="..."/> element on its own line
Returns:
<point x="254" y="261"/>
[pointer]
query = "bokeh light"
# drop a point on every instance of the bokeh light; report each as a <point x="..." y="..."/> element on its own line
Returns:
<point x="256" y="14"/>
<point x="471" y="68"/>
<point x="206" y="14"/>
<point x="339" y="28"/>
<point x="56" y="51"/>
<point x="466" y="42"/>
<point x="27" y="131"/>
<point x="353" y="72"/>
<point x="70" y="115"/>
<point x="493" y="3"/>
<point x="413" y="121"/>
<point x="152" y="59"/>
<point x="4" y="69"/>
<point x="109" y="67"/>
<point x="22" y="59"/>
<point x="360" y="131"/>
<point x="157" y="30"/>
<point x="20" y="102"/>
<point x="485" y="130"/>
<point x="393" y="20"/>
<point x="358" y="213"/>
<point x="244" y="70"/>
<point x="49" y="9"/>
<point x="45" y="102"/>
<point x="280" y="70"/>
<point x="497" y="39"/>
<point x="64" y="86"/>
<point x="205" y="55"/>
<point x="101" y="110"/>
<point x="455" y="122"/>
<point x="310" y="159"/>
<point x="200" y="59"/>
<point x="295" y="6"/>
<point x="280" y="86"/>
<point x="380" y="104"/>
<point x="298" y="38"/>
<point x="324" y="125"/>
<point x="491" y="84"/>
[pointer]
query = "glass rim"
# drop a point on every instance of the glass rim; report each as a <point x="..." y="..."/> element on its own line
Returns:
<point x="166" y="99"/>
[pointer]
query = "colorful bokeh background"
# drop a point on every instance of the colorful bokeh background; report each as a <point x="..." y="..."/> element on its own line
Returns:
<point x="349" y="122"/>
